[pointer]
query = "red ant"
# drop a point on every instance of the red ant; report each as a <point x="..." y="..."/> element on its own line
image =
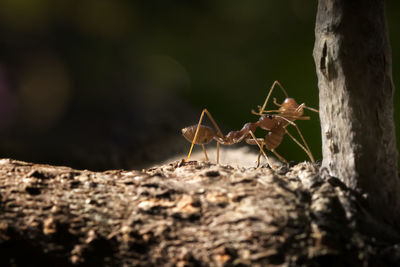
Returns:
<point x="276" y="124"/>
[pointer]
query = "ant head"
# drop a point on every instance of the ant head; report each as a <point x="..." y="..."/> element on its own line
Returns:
<point x="267" y="122"/>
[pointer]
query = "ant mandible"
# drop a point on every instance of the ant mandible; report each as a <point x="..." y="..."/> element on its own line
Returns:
<point x="275" y="124"/>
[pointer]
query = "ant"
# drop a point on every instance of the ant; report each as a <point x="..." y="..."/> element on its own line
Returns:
<point x="276" y="124"/>
<point x="288" y="111"/>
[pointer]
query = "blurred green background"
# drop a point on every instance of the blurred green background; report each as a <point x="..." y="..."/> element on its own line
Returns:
<point x="102" y="84"/>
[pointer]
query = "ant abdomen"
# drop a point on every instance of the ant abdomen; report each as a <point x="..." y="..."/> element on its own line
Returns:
<point x="290" y="107"/>
<point x="274" y="138"/>
<point x="290" y="103"/>
<point x="204" y="136"/>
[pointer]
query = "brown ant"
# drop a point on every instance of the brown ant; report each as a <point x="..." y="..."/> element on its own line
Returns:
<point x="288" y="111"/>
<point x="276" y="124"/>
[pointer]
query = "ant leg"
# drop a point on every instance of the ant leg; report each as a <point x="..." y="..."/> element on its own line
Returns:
<point x="217" y="152"/>
<point x="303" y="105"/>
<point x="216" y="127"/>
<point x="279" y="156"/>
<point x="305" y="143"/>
<point x="269" y="94"/>
<point x="204" y="150"/>
<point x="195" y="136"/>
<point x="289" y="118"/>
<point x="300" y="107"/>
<point x="266" y="111"/>
<point x="312" y="109"/>
<point x="213" y="122"/>
<point x="261" y="147"/>
<point x="205" y="111"/>
<point x="276" y="103"/>
<point x="306" y="148"/>
<point x="259" y="154"/>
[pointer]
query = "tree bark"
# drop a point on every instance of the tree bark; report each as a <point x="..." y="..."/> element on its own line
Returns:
<point x="353" y="61"/>
<point x="183" y="214"/>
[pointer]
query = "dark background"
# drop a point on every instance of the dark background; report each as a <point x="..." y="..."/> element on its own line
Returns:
<point x="102" y="84"/>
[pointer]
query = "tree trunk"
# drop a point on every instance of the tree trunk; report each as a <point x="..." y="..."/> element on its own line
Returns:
<point x="353" y="61"/>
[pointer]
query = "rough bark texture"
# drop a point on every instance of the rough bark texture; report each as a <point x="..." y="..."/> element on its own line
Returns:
<point x="183" y="214"/>
<point x="353" y="62"/>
